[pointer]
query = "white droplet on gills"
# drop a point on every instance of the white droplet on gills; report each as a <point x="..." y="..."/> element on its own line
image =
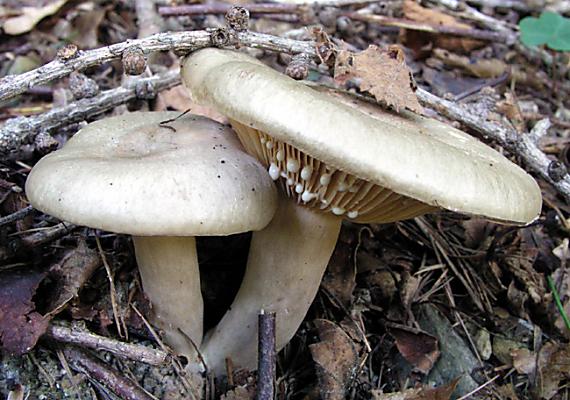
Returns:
<point x="292" y="166"/>
<point x="263" y="140"/>
<point x="290" y="181"/>
<point x="274" y="171"/>
<point x="307" y="196"/>
<point x="325" y="179"/>
<point x="269" y="144"/>
<point x="338" y="210"/>
<point x="352" y="214"/>
<point x="279" y="156"/>
<point x="299" y="188"/>
<point x="342" y="186"/>
<point x="306" y="172"/>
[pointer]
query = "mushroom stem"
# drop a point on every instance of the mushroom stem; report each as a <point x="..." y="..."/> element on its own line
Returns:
<point x="171" y="280"/>
<point x="286" y="262"/>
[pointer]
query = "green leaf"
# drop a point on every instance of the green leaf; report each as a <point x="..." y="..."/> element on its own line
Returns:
<point x="550" y="28"/>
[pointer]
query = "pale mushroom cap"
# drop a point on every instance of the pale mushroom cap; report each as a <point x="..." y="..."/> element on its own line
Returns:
<point x="128" y="174"/>
<point x="414" y="156"/>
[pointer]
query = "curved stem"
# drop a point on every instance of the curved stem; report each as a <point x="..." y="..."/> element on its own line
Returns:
<point x="171" y="280"/>
<point x="286" y="262"/>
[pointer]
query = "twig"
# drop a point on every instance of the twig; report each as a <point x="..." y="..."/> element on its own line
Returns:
<point x="65" y="333"/>
<point x="16" y="215"/>
<point x="519" y="144"/>
<point x="17" y="131"/>
<point x="97" y="370"/>
<point x="424" y="27"/>
<point x="266" y="356"/>
<point x="221" y="8"/>
<point x="182" y="42"/>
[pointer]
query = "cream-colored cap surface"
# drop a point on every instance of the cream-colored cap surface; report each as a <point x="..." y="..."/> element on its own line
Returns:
<point x="415" y="156"/>
<point x="132" y="174"/>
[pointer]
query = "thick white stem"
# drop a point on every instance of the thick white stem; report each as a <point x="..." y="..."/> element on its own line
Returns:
<point x="286" y="262"/>
<point x="171" y="280"/>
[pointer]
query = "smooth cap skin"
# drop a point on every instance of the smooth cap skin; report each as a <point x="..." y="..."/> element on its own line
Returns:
<point x="414" y="156"/>
<point x="131" y="174"/>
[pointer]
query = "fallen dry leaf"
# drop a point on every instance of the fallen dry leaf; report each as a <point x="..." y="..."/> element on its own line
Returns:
<point x="340" y="278"/>
<point x="27" y="17"/>
<point x="480" y="67"/>
<point x="424" y="393"/>
<point x="382" y="73"/>
<point x="416" y="39"/>
<point x="418" y="348"/>
<point x="71" y="273"/>
<point x="336" y="359"/>
<point x="178" y="99"/>
<point x="550" y="366"/>
<point x="20" y="325"/>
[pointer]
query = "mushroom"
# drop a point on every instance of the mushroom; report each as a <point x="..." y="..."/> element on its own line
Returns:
<point x="333" y="161"/>
<point x="163" y="183"/>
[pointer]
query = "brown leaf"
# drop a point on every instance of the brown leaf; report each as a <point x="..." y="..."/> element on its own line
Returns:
<point x="419" y="348"/>
<point x="417" y="39"/>
<point x="340" y="278"/>
<point x="382" y="73"/>
<point x="550" y="366"/>
<point x="20" y="325"/>
<point x="425" y="393"/>
<point x="336" y="359"/>
<point x="71" y="273"/>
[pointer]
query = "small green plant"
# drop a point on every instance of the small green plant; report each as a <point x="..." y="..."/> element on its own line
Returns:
<point x="550" y="28"/>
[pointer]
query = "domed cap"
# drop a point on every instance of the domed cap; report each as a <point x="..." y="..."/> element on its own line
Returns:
<point x="140" y="175"/>
<point x="410" y="155"/>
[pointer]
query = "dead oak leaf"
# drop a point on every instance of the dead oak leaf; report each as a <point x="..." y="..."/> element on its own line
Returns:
<point x="382" y="73"/>
<point x="20" y="325"/>
<point x="418" y="348"/>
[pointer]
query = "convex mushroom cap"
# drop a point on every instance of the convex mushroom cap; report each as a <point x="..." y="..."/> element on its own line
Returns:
<point x="411" y="155"/>
<point x="163" y="178"/>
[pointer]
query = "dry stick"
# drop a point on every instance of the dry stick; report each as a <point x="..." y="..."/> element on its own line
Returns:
<point x="221" y="8"/>
<point x="65" y="333"/>
<point x="521" y="145"/>
<point x="266" y="356"/>
<point x="15" y="216"/>
<point x="22" y="129"/>
<point x="424" y="27"/>
<point x="97" y="370"/>
<point x="182" y="42"/>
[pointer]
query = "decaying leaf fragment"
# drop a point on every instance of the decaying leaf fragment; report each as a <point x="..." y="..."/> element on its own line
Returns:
<point x="336" y="359"/>
<point x="424" y="393"/>
<point x="28" y="17"/>
<point x="418" y="348"/>
<point x="550" y="366"/>
<point x="382" y="73"/>
<point x="20" y="325"/>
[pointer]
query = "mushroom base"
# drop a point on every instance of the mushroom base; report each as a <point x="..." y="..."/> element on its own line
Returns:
<point x="285" y="266"/>
<point x="171" y="280"/>
<point x="325" y="188"/>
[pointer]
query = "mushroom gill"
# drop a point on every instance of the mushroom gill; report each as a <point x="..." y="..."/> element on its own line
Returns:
<point x="324" y="188"/>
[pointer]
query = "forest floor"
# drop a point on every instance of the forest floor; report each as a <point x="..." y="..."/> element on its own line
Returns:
<point x="442" y="306"/>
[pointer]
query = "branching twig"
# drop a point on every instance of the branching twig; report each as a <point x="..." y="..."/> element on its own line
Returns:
<point x="74" y="335"/>
<point x="19" y="130"/>
<point x="183" y="42"/>
<point x="97" y="370"/>
<point x="429" y="28"/>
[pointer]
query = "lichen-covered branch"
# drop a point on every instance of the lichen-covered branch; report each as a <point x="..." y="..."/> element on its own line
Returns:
<point x="181" y="42"/>
<point x="17" y="131"/>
